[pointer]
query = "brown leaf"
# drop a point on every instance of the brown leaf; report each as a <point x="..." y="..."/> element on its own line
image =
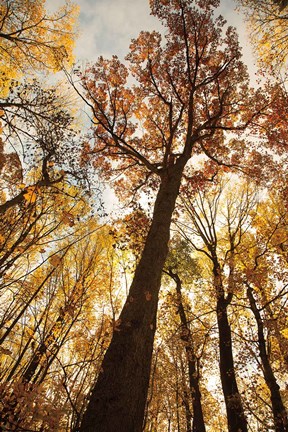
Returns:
<point x="55" y="260"/>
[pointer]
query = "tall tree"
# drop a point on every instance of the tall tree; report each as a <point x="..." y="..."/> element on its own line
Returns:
<point x="278" y="408"/>
<point x="204" y="214"/>
<point x="193" y="366"/>
<point x="188" y="92"/>
<point x="180" y="266"/>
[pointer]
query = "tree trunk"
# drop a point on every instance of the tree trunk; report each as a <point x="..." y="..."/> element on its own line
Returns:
<point x="188" y="414"/>
<point x="198" y="419"/>
<point x="117" y="401"/>
<point x="282" y="341"/>
<point x="235" y="413"/>
<point x="279" y="412"/>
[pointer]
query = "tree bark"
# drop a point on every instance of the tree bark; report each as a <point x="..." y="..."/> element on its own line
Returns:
<point x="234" y="409"/>
<point x="117" y="401"/>
<point x="279" y="412"/>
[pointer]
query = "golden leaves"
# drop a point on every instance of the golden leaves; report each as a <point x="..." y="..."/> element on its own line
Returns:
<point x="268" y="30"/>
<point x="31" y="194"/>
<point x="39" y="41"/>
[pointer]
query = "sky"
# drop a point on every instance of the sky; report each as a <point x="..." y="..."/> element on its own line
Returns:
<point x="106" y="27"/>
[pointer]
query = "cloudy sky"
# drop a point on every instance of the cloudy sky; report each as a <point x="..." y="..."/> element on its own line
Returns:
<point x="107" y="26"/>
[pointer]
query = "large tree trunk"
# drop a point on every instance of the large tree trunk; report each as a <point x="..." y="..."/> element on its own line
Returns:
<point x="117" y="401"/>
<point x="235" y="413"/>
<point x="279" y="412"/>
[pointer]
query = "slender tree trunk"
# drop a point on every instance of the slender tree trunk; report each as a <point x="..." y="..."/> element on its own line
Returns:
<point x="25" y="348"/>
<point x="25" y="307"/>
<point x="279" y="412"/>
<point x="282" y="341"/>
<point x="40" y="352"/>
<point x="117" y="401"/>
<point x="50" y="342"/>
<point x="188" y="414"/>
<point x="235" y="413"/>
<point x="198" y="419"/>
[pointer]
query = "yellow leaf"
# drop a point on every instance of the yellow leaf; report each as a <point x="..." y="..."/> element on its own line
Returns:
<point x="31" y="195"/>
<point x="285" y="333"/>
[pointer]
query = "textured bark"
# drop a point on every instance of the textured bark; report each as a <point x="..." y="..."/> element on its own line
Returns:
<point x="198" y="419"/>
<point x="235" y="413"/>
<point x="279" y="412"/>
<point x="117" y="402"/>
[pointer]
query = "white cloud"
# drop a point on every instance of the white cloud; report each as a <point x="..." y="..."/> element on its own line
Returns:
<point x="107" y="26"/>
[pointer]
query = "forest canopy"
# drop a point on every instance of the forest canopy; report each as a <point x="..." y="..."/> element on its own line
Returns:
<point x="169" y="314"/>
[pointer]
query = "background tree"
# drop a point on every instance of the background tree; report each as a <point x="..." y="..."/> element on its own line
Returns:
<point x="177" y="259"/>
<point x="279" y="412"/>
<point x="57" y="324"/>
<point x="32" y="39"/>
<point x="204" y="215"/>
<point x="269" y="30"/>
